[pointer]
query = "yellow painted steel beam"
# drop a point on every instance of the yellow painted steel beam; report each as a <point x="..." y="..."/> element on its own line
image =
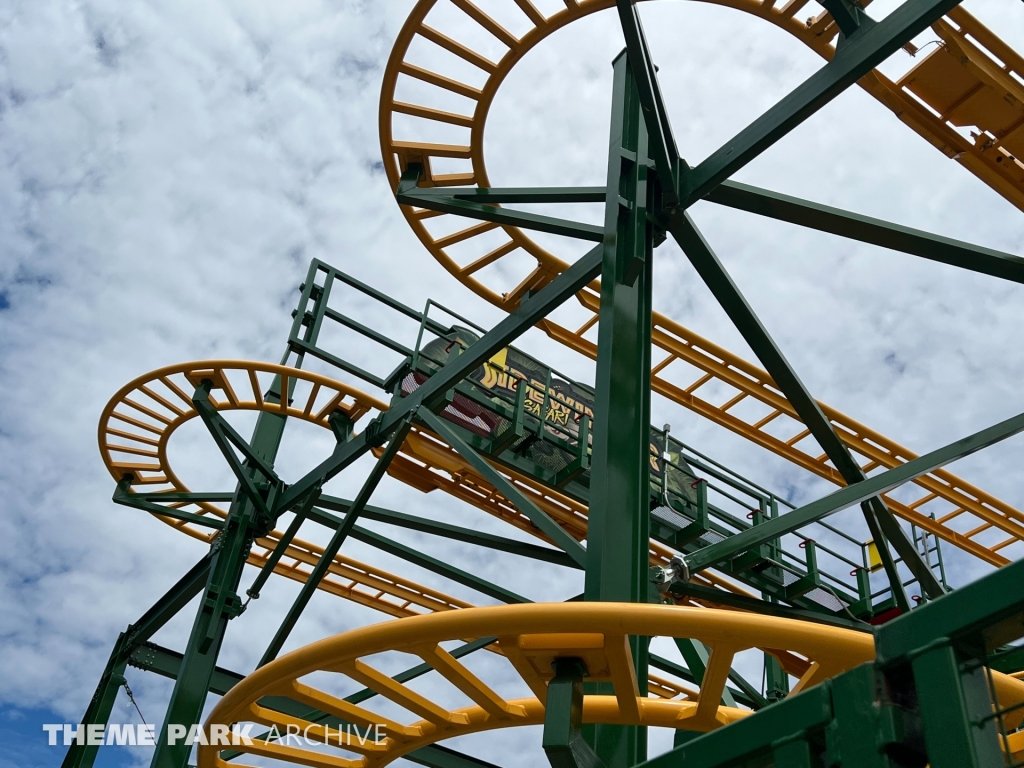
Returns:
<point x="969" y="80"/>
<point x="530" y="637"/>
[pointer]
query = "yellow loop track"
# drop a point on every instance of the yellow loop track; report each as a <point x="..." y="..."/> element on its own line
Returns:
<point x="138" y="422"/>
<point x="970" y="79"/>
<point x="530" y="637"/>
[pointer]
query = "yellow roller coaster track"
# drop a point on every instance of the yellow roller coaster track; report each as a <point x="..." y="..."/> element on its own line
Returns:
<point x="970" y="79"/>
<point x="530" y="637"/>
<point x="137" y="424"/>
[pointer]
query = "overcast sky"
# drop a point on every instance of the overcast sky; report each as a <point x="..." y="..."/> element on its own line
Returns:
<point x="169" y="167"/>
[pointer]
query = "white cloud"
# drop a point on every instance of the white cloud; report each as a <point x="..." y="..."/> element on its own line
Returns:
<point x="168" y="169"/>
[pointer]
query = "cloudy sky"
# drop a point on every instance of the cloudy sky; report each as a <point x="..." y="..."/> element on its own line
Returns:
<point x="169" y="167"/>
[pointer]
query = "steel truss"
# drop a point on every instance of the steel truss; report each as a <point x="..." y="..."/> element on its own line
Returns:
<point x="648" y="191"/>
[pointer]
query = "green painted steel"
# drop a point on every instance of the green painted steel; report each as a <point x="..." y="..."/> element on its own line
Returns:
<point x="340" y="534"/>
<point x="100" y="706"/>
<point x="864" y="51"/>
<point x="167" y="663"/>
<point x="729" y="296"/>
<point x="618" y="521"/>
<point x="446" y="202"/>
<point x="563" y="741"/>
<point x="549" y="298"/>
<point x="925" y="700"/>
<point x="539" y="517"/>
<point x="453" y="532"/>
<point x="661" y="143"/>
<point x="98" y="711"/>
<point x="853" y="494"/>
<point x="220" y="601"/>
<point x="521" y="195"/>
<point x="867" y="229"/>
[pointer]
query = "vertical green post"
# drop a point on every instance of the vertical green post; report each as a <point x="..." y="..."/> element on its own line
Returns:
<point x="82" y="754"/>
<point x="956" y="708"/>
<point x="618" y="535"/>
<point x="219" y="602"/>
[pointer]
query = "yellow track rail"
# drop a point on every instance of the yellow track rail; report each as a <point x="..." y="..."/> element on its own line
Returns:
<point x="968" y="80"/>
<point x="138" y="422"/>
<point x="530" y="637"/>
<point x="136" y="427"/>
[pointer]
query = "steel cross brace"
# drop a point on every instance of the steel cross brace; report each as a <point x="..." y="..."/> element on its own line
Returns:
<point x="453" y="202"/>
<point x="102" y="702"/>
<point x="434" y="390"/>
<point x="863" y="51"/>
<point x="225" y="436"/>
<point x="853" y="494"/>
<point x="756" y="335"/>
<point x="416" y="557"/>
<point x="324" y="563"/>
<point x="454" y="532"/>
<point x="537" y="516"/>
<point x="866" y="229"/>
<point x="698" y="251"/>
<point x="144" y="501"/>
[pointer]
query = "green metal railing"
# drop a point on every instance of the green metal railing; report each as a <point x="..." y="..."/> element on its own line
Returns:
<point x="695" y="500"/>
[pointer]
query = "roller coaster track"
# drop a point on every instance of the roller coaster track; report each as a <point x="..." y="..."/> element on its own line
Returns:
<point x="972" y="79"/>
<point x="139" y="421"/>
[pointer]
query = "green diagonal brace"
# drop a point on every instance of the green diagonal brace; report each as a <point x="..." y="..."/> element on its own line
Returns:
<point x="454" y="532"/>
<point x="866" y="229"/>
<point x="865" y="51"/>
<point x="661" y="144"/>
<point x="729" y="296"/>
<point x="530" y="312"/>
<point x="124" y="496"/>
<point x="522" y="195"/>
<point x="852" y="494"/>
<point x="537" y="516"/>
<point x="342" y="532"/>
<point x="408" y="194"/>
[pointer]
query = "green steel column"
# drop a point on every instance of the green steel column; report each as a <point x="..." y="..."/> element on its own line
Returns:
<point x="956" y="708"/>
<point x="81" y="755"/>
<point x="220" y="601"/>
<point x="617" y="540"/>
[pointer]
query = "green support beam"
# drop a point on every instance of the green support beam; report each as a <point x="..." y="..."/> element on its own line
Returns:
<point x="282" y="545"/>
<point x="441" y="200"/>
<point x="441" y="568"/>
<point x="852" y="494"/>
<point x="220" y="601"/>
<point x="754" y="605"/>
<point x="746" y="697"/>
<point x="661" y="143"/>
<point x="563" y="740"/>
<point x="98" y="711"/>
<point x="861" y="53"/>
<point x="530" y="312"/>
<point x="752" y="736"/>
<point x="618" y="521"/>
<point x="100" y="706"/>
<point x="453" y="532"/>
<point x="521" y="195"/>
<point x="537" y="516"/>
<point x="309" y="587"/>
<point x="151" y="657"/>
<point x="866" y="229"/>
<point x="125" y="497"/>
<point x="729" y="296"/>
